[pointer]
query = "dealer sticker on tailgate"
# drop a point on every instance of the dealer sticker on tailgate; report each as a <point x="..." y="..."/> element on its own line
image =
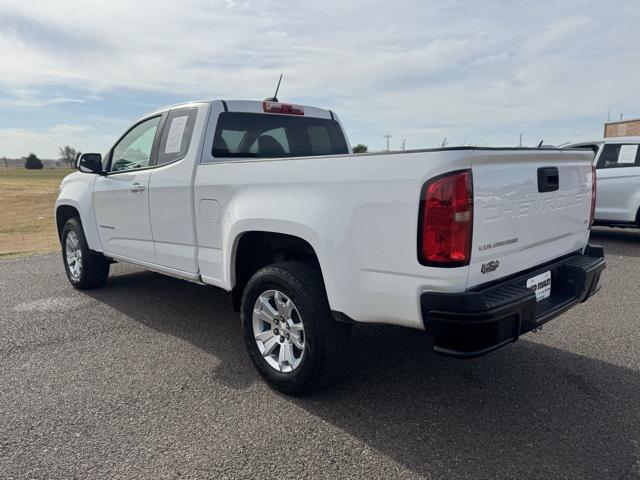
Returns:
<point x="540" y="285"/>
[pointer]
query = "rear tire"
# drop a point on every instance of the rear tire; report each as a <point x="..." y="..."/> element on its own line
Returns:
<point x="85" y="269"/>
<point x="295" y="292"/>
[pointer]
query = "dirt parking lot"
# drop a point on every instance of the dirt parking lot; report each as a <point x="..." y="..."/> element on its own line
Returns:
<point x="148" y="378"/>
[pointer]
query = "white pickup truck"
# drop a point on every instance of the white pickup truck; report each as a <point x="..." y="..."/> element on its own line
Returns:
<point x="477" y="246"/>
<point x="617" y="160"/>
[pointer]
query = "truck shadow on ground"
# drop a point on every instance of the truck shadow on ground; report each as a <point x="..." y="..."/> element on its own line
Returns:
<point x="528" y="410"/>
<point x="619" y="241"/>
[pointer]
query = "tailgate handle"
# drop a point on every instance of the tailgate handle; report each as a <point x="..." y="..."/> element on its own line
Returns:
<point x="548" y="179"/>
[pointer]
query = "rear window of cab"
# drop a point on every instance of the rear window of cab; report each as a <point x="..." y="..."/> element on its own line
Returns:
<point x="240" y="134"/>
<point x="619" y="156"/>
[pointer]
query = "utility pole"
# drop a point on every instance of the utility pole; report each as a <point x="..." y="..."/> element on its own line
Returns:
<point x="387" y="136"/>
<point x="6" y="163"/>
<point x="520" y="140"/>
<point x="404" y="140"/>
<point x="620" y="117"/>
<point x="608" y="116"/>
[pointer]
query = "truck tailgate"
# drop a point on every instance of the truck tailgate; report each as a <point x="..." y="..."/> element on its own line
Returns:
<point x="530" y="207"/>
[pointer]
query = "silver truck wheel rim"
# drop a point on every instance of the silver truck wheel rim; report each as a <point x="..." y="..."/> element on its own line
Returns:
<point x="279" y="331"/>
<point x="73" y="253"/>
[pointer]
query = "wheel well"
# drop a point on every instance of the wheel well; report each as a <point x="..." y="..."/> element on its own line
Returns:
<point x="64" y="213"/>
<point x="256" y="250"/>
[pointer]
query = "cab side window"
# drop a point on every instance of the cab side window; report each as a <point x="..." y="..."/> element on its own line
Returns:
<point x="134" y="149"/>
<point x="619" y="156"/>
<point x="176" y="135"/>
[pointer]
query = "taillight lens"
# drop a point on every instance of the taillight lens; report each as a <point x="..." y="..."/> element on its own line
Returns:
<point x="593" y="196"/>
<point x="446" y="220"/>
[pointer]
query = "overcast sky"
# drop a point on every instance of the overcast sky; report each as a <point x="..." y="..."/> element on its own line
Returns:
<point x="475" y="72"/>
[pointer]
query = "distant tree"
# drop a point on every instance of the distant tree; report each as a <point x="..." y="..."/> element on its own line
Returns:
<point x="33" y="163"/>
<point x="360" y="148"/>
<point x="68" y="155"/>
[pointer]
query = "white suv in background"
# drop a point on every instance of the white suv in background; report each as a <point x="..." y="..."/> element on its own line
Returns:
<point x="617" y="161"/>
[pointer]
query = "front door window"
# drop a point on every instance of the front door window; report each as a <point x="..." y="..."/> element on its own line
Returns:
<point x="134" y="149"/>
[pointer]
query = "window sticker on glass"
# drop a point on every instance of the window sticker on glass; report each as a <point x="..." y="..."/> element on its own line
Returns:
<point x="176" y="132"/>
<point x="628" y="154"/>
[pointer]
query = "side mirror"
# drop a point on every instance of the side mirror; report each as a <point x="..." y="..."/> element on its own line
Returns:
<point x="90" y="163"/>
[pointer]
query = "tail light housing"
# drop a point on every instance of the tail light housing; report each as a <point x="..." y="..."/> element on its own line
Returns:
<point x="593" y="195"/>
<point x="445" y="223"/>
<point x="286" y="108"/>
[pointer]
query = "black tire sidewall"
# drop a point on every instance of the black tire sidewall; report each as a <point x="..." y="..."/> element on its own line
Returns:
<point x="308" y="307"/>
<point x="73" y="225"/>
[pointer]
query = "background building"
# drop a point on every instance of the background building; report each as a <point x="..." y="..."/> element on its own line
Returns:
<point x="623" y="128"/>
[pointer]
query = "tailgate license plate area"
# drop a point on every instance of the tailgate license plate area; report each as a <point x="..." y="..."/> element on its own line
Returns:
<point x="540" y="285"/>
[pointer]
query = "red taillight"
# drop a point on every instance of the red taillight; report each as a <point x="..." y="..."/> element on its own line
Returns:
<point x="593" y="196"/>
<point x="277" y="107"/>
<point x="446" y="220"/>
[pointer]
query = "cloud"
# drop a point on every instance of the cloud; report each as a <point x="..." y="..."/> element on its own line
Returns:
<point x="65" y="129"/>
<point x="557" y="36"/>
<point x="31" y="98"/>
<point x="471" y="71"/>
<point x="491" y="58"/>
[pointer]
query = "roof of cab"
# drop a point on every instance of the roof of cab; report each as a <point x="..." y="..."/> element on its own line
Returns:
<point x="249" y="106"/>
<point x="613" y="140"/>
<point x="621" y="140"/>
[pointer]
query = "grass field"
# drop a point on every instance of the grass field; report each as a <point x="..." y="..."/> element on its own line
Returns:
<point x="26" y="210"/>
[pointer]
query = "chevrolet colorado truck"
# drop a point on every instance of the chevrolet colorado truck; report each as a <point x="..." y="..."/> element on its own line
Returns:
<point x="477" y="246"/>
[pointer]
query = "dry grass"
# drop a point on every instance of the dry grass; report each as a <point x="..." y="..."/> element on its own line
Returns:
<point x="26" y="210"/>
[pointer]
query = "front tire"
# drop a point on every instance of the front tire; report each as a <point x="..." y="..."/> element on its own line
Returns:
<point x="85" y="269"/>
<point x="290" y="334"/>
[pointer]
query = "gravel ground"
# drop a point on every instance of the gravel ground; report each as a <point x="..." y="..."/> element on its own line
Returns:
<point x="148" y="378"/>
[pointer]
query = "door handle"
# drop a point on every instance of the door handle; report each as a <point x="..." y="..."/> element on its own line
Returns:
<point x="137" y="187"/>
<point x="548" y="179"/>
